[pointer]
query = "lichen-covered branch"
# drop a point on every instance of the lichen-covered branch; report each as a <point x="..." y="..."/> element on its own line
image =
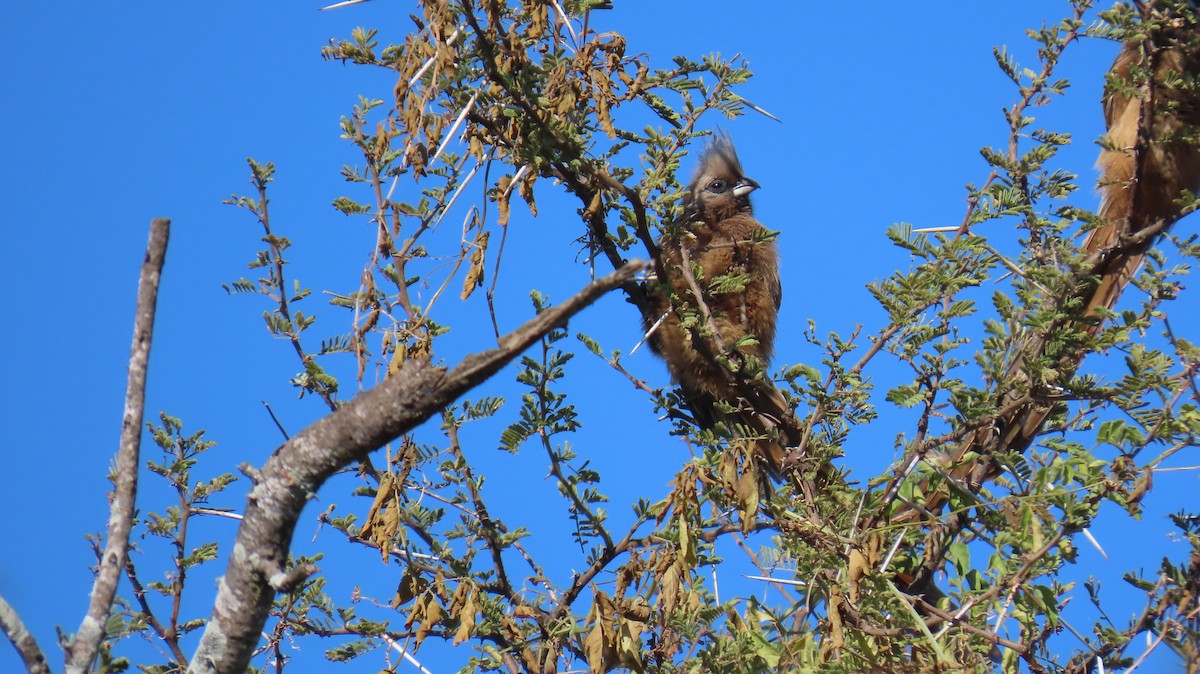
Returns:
<point x="86" y="642"/>
<point x="31" y="654"/>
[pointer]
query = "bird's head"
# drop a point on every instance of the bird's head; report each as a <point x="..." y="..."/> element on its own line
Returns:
<point x="719" y="189"/>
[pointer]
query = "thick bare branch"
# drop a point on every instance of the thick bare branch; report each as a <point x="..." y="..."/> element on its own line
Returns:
<point x="22" y="640"/>
<point x="300" y="466"/>
<point x="86" y="643"/>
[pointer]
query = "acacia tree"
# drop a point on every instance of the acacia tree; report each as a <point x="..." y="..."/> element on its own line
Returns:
<point x="949" y="560"/>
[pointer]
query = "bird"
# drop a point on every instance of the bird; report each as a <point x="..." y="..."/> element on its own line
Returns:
<point x="1142" y="179"/>
<point x="716" y="310"/>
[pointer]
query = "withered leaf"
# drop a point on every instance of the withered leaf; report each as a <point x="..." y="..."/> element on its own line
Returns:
<point x="629" y="645"/>
<point x="747" y="495"/>
<point x="433" y="616"/>
<point x="503" y="195"/>
<point x="474" y="277"/>
<point x="859" y="569"/>
<point x="382" y="525"/>
<point x="411" y="585"/>
<point x="525" y="189"/>
<point x="466" y="617"/>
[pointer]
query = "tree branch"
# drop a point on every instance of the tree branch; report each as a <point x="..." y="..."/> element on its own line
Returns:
<point x="139" y="593"/>
<point x="300" y="466"/>
<point x="22" y="640"/>
<point x="86" y="642"/>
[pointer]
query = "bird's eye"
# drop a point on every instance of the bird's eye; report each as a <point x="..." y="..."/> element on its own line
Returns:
<point x="718" y="186"/>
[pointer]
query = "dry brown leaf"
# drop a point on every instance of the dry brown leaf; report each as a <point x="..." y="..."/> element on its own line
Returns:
<point x="416" y="613"/>
<point x="433" y="616"/>
<point x="687" y="552"/>
<point x="419" y="347"/>
<point x="629" y="645"/>
<point x="466" y="617"/>
<point x="382" y="525"/>
<point x="503" y="194"/>
<point x="594" y="648"/>
<point x="474" y="277"/>
<point x="411" y="585"/>
<point x="463" y="607"/>
<point x="1140" y="487"/>
<point x="594" y="205"/>
<point x="747" y="494"/>
<point x="859" y="569"/>
<point x="668" y="589"/>
<point x="523" y="611"/>
<point x="525" y="189"/>
<point x="599" y="646"/>
<point x="837" y="637"/>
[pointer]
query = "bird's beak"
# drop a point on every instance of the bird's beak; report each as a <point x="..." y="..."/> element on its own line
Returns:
<point x="744" y="187"/>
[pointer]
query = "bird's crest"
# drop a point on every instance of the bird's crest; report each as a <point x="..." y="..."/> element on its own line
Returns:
<point x="719" y="159"/>
<point x="718" y="189"/>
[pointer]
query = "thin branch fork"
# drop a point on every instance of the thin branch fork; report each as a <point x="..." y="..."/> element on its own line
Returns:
<point x="86" y="644"/>
<point x="298" y="468"/>
<point x="139" y="594"/>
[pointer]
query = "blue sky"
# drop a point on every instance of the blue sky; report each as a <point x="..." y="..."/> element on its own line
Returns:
<point x="118" y="112"/>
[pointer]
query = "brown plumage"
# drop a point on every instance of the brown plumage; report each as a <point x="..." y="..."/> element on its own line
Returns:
<point x="720" y="302"/>
<point x="1144" y="175"/>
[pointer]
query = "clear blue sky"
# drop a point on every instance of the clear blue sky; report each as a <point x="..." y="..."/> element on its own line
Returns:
<point x="114" y="113"/>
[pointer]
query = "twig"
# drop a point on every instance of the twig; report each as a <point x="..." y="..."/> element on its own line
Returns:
<point x="392" y="643"/>
<point x="454" y="127"/>
<point x="930" y="609"/>
<point x="566" y="21"/>
<point x="685" y="268"/>
<point x="637" y="383"/>
<point x="1149" y="649"/>
<point x="1013" y="268"/>
<point x="274" y="418"/>
<point x="86" y="643"/>
<point x="449" y="202"/>
<point x="171" y="637"/>
<point x="779" y="583"/>
<point x="490" y="528"/>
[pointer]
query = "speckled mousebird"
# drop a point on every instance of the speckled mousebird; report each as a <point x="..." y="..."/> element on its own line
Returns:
<point x="735" y="271"/>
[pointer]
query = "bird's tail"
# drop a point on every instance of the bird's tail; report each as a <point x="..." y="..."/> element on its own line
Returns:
<point x="760" y="414"/>
<point x="1151" y="158"/>
<point x="1120" y="267"/>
